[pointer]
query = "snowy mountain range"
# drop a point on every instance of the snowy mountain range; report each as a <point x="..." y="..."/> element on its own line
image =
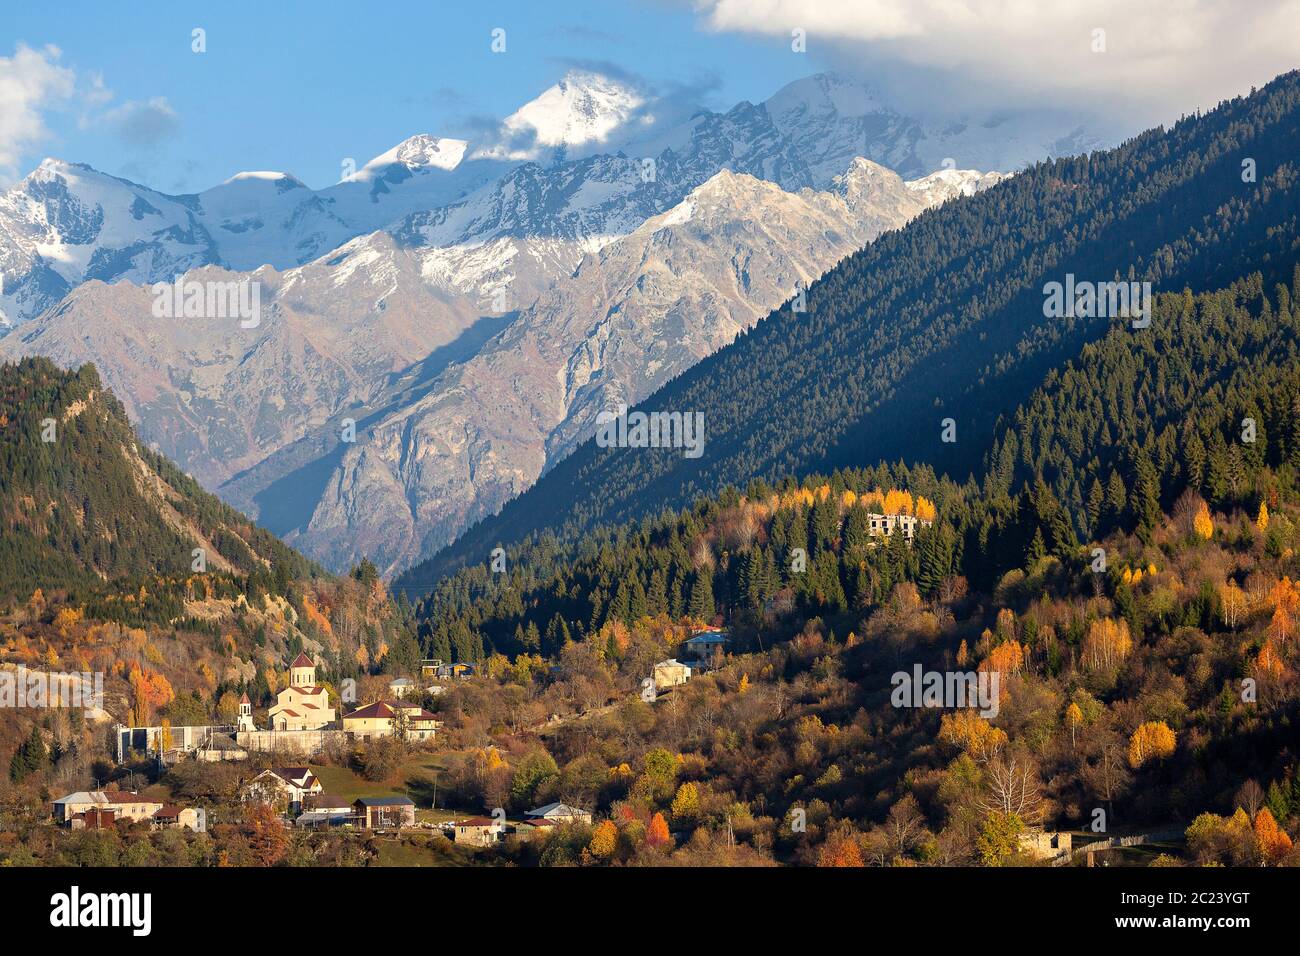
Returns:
<point x="470" y="305"/>
<point x="66" y="223"/>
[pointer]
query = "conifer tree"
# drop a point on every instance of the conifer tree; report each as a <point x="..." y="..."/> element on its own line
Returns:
<point x="701" y="605"/>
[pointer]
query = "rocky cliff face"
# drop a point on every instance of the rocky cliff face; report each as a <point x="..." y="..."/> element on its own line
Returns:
<point x="471" y="307"/>
<point x="636" y="313"/>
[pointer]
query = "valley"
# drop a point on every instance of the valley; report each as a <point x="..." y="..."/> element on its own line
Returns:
<point x="865" y="442"/>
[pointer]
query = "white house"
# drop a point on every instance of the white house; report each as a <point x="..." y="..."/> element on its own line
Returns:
<point x="399" y="687"/>
<point x="478" y="831"/>
<point x="559" y="813"/>
<point x="883" y="525"/>
<point x="124" y="804"/>
<point x="671" y="673"/>
<point x="283" y="785"/>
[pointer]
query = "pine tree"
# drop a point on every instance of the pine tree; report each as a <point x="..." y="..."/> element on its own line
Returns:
<point x="1096" y="502"/>
<point x="1116" y="498"/>
<point x="857" y="534"/>
<point x="638" y="605"/>
<point x="30" y="757"/>
<point x="1194" y="461"/>
<point x="657" y="598"/>
<point x="1146" y="493"/>
<point x="701" y="606"/>
<point x="825" y="523"/>
<point x="1037" y="549"/>
<point x="936" y="558"/>
<point x="1235" y="470"/>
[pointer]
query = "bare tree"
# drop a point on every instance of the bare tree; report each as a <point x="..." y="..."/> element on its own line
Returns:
<point x="904" y="826"/>
<point x="1250" y="797"/>
<point x="1011" y="786"/>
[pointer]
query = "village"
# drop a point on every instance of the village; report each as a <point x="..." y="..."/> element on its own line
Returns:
<point x="302" y="723"/>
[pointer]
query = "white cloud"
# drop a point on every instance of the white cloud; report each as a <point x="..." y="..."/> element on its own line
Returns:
<point x="1161" y="55"/>
<point x="30" y="82"/>
<point x="144" y="124"/>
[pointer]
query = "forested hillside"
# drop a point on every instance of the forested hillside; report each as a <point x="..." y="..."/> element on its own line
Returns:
<point x="1148" y="668"/>
<point x="944" y="318"/>
<point x="1182" y="394"/>
<point x="98" y="573"/>
<point x="82" y="502"/>
<point x="1108" y="443"/>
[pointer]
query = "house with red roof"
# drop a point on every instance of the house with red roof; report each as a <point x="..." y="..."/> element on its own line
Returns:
<point x="478" y="831"/>
<point x="385" y="718"/>
<point x="123" y="805"/>
<point x="174" y="817"/>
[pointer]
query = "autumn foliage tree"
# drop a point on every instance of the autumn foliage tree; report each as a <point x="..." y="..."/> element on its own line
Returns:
<point x="1202" y="523"/>
<point x="970" y="732"/>
<point x="1272" y="839"/>
<point x="149" y="691"/>
<point x="840" y="850"/>
<point x="265" y="833"/>
<point x="657" y="833"/>
<point x="604" y="840"/>
<point x="1107" y="644"/>
<point x="1152" y="740"/>
<point x="686" y="804"/>
<point x="1007" y="658"/>
<point x="1073" y="718"/>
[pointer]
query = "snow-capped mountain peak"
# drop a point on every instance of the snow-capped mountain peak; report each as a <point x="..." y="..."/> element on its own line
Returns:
<point x="822" y="96"/>
<point x="50" y="166"/>
<point x="269" y="176"/>
<point x="420" y="151"/>
<point x="944" y="184"/>
<point x="583" y="108"/>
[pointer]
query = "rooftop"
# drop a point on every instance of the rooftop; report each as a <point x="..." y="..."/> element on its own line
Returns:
<point x="477" y="822"/>
<point x="708" y="637"/>
<point x="385" y="802"/>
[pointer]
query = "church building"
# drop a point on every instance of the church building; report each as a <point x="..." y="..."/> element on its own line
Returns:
<point x="302" y="705"/>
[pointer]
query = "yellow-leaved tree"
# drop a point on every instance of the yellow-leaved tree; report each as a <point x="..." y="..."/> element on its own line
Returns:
<point x="1233" y="603"/>
<point x="1007" y="658"/>
<point x="686" y="805"/>
<point x="1073" y="718"/>
<point x="1107" y="644"/>
<point x="604" y="840"/>
<point x="1202" y="523"/>
<point x="972" y="733"/>
<point x="1152" y="740"/>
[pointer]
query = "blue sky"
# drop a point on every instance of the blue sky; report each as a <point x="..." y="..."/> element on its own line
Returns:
<point x="299" y="87"/>
<point x="296" y="86"/>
